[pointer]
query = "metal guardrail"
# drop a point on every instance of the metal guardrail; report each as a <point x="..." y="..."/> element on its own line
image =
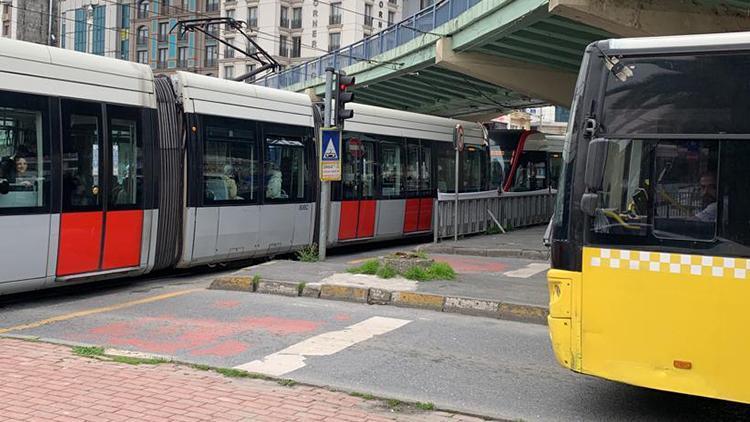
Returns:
<point x="478" y="210"/>
<point x="424" y="21"/>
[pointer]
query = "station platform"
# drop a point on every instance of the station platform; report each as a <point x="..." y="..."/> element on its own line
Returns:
<point x="501" y="276"/>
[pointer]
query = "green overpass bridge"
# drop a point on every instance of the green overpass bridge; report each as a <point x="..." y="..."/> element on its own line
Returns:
<point x="478" y="58"/>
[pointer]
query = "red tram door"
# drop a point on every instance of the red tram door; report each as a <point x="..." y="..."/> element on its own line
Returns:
<point x="419" y="204"/>
<point x="358" y="206"/>
<point x="102" y="213"/>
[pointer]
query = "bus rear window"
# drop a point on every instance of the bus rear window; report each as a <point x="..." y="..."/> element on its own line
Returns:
<point x="681" y="94"/>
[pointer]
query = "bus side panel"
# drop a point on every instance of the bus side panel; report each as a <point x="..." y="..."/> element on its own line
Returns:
<point x="667" y="321"/>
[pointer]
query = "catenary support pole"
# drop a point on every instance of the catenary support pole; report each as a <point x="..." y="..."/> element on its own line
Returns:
<point x="325" y="187"/>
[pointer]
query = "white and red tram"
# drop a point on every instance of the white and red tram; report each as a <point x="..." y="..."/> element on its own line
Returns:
<point x="108" y="171"/>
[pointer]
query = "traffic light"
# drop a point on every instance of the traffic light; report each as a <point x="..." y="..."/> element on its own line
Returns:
<point x="343" y="96"/>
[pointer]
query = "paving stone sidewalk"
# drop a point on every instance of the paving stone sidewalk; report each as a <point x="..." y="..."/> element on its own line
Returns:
<point x="47" y="382"/>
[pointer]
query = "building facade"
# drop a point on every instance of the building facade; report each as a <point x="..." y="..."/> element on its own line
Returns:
<point x="29" y="20"/>
<point x="96" y="27"/>
<point x="294" y="31"/>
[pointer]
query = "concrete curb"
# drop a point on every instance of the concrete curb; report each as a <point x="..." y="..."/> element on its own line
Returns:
<point x="494" y="253"/>
<point x="377" y="296"/>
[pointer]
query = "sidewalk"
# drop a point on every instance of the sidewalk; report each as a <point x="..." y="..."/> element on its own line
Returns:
<point x="511" y="288"/>
<point x="46" y="382"/>
<point x="521" y="243"/>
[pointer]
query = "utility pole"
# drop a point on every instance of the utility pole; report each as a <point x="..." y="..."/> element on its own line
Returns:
<point x="325" y="187"/>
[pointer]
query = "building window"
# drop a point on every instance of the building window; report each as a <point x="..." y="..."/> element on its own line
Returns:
<point x="334" y="41"/>
<point x="249" y="68"/>
<point x="296" y="46"/>
<point x="163" y="31"/>
<point x="284" y="21"/>
<point x="283" y="47"/>
<point x="212" y="53"/>
<point x="143" y="56"/>
<point x="297" y="18"/>
<point x="182" y="57"/>
<point x="124" y="27"/>
<point x="213" y="30"/>
<point x="99" y="24"/>
<point x="335" y="17"/>
<point x="250" y="47"/>
<point x="142" y="38"/>
<point x="425" y="3"/>
<point x="212" y="5"/>
<point x="63" y="32"/>
<point x="162" y="63"/>
<point x="229" y="13"/>
<point x="252" y="17"/>
<point x="368" y="15"/>
<point x="393" y="2"/>
<point x="391" y="18"/>
<point x="228" y="72"/>
<point x="165" y="7"/>
<point x="229" y="51"/>
<point x="143" y="8"/>
<point x="80" y="31"/>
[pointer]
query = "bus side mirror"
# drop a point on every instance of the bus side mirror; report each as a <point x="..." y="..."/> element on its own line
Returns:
<point x="595" y="160"/>
<point x="594" y="177"/>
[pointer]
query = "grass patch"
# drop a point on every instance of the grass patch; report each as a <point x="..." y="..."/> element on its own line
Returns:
<point x="493" y="229"/>
<point x="237" y="373"/>
<point x="256" y="281"/>
<point x="308" y="253"/>
<point x="88" y="351"/>
<point x="436" y="271"/>
<point x="368" y="267"/>
<point x="200" y="367"/>
<point x="364" y="396"/>
<point x="420" y="254"/>
<point x="138" y="361"/>
<point x="425" y="406"/>
<point x="300" y="288"/>
<point x="386" y="271"/>
<point x="287" y="382"/>
<point x="393" y="403"/>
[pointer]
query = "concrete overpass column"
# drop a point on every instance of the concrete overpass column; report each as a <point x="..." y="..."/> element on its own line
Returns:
<point x="537" y="82"/>
<point x="637" y="18"/>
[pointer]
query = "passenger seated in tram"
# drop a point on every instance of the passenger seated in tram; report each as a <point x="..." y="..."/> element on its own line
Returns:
<point x="23" y="177"/>
<point x="230" y="182"/>
<point x="273" y="185"/>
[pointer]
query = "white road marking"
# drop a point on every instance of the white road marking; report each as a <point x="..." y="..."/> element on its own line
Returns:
<point x="528" y="270"/>
<point x="293" y="357"/>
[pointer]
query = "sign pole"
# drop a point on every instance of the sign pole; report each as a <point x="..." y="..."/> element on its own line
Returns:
<point x="325" y="186"/>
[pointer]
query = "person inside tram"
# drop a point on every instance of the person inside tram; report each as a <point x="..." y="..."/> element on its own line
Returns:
<point x="707" y="184"/>
<point x="273" y="185"/>
<point x="24" y="177"/>
<point x="230" y="182"/>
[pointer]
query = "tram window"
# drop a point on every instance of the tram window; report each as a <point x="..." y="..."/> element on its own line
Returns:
<point x="425" y="169"/>
<point x="285" y="169"/>
<point x="471" y="177"/>
<point x="446" y="168"/>
<point x="24" y="159"/>
<point x="126" y="158"/>
<point x="230" y="166"/>
<point x="368" y="170"/>
<point x="81" y="149"/>
<point x="412" y="182"/>
<point x="392" y="170"/>
<point x="661" y="189"/>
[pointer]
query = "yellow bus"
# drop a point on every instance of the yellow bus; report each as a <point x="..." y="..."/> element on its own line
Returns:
<point x="650" y="278"/>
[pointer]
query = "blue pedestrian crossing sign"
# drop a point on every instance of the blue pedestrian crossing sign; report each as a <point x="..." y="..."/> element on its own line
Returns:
<point x="330" y="155"/>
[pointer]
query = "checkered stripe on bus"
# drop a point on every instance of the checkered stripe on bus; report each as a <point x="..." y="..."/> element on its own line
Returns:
<point x="697" y="265"/>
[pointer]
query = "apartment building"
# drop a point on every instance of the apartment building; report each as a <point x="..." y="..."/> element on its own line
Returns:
<point x="29" y="20"/>
<point x="294" y="31"/>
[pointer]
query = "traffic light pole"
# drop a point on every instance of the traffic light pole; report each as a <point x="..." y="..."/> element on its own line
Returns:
<point x="325" y="187"/>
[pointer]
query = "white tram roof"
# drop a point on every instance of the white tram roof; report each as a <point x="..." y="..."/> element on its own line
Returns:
<point x="221" y="97"/>
<point x="386" y="121"/>
<point x="43" y="70"/>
